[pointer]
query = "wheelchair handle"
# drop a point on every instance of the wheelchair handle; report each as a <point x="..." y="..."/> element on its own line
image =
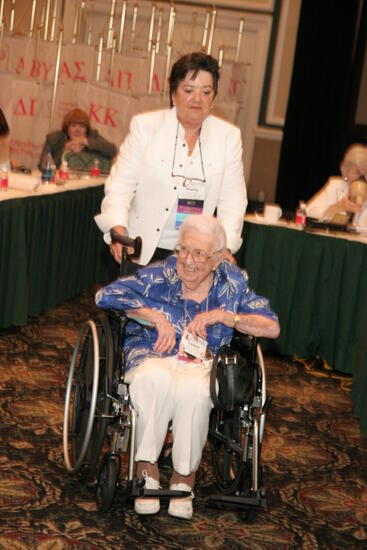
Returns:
<point x="136" y="243"/>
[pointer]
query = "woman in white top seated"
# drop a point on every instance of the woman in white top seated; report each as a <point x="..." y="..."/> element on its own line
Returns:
<point x="335" y="197"/>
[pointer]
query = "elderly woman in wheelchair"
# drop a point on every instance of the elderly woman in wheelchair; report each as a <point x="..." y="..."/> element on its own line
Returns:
<point x="182" y="311"/>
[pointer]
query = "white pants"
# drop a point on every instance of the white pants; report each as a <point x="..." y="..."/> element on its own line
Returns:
<point x="167" y="389"/>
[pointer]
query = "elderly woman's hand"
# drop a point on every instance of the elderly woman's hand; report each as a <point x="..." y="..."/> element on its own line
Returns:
<point x="345" y="204"/>
<point x="166" y="339"/>
<point x="203" y="320"/>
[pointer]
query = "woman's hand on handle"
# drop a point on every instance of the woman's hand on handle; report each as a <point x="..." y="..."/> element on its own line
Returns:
<point x="116" y="248"/>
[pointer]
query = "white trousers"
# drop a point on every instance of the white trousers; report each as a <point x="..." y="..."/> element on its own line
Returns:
<point x="164" y="390"/>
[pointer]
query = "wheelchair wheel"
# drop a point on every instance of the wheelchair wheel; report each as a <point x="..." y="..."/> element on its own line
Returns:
<point x="107" y="482"/>
<point x="87" y="401"/>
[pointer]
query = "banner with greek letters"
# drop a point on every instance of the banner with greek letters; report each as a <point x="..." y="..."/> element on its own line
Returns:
<point x="27" y="69"/>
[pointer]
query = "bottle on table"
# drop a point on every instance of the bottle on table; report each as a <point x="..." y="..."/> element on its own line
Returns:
<point x="64" y="171"/>
<point x="47" y="165"/>
<point x="300" y="217"/>
<point x="95" y="168"/>
<point x="4" y="179"/>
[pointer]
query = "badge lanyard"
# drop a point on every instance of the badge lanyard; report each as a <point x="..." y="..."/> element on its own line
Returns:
<point x="192" y="192"/>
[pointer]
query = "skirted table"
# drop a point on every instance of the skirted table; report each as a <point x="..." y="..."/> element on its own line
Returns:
<point x="50" y="250"/>
<point x="317" y="284"/>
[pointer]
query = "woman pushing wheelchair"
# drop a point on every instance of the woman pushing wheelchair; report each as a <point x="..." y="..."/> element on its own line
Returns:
<point x="185" y="308"/>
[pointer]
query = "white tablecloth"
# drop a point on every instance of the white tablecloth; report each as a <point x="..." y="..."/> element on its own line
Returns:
<point x="31" y="186"/>
<point x="358" y="236"/>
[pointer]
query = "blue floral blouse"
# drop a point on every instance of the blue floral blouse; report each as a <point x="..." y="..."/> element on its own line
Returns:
<point x="158" y="286"/>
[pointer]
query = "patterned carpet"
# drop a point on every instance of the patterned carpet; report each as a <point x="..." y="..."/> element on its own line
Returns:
<point x="314" y="461"/>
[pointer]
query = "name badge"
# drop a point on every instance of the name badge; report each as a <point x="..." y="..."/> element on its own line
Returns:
<point x="190" y="200"/>
<point x="192" y="349"/>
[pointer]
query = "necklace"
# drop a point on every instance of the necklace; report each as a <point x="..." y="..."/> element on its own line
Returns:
<point x="173" y="175"/>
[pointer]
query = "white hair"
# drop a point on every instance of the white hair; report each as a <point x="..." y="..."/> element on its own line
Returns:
<point x="207" y="225"/>
<point x="355" y="157"/>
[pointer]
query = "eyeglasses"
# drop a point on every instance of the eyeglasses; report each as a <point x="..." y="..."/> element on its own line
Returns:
<point x="203" y="179"/>
<point x="199" y="256"/>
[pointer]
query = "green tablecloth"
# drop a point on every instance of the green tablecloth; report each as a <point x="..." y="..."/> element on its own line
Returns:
<point x="50" y="250"/>
<point x="317" y="286"/>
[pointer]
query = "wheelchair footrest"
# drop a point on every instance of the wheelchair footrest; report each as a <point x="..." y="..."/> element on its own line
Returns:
<point x="258" y="500"/>
<point x="138" y="490"/>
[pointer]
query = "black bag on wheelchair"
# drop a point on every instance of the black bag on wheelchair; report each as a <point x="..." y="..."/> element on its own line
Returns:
<point x="234" y="373"/>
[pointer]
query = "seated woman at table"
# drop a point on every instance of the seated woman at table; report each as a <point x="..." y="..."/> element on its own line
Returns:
<point x="78" y="144"/>
<point x="196" y="292"/>
<point x="335" y="196"/>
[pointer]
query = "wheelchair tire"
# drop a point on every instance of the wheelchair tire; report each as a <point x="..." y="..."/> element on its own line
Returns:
<point x="227" y="460"/>
<point x="87" y="401"/>
<point x="107" y="482"/>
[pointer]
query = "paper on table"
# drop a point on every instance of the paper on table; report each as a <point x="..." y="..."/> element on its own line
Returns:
<point x="24" y="182"/>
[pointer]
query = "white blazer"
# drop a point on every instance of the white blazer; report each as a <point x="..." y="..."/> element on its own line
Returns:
<point x="140" y="192"/>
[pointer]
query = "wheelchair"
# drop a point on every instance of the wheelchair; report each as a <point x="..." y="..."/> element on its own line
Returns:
<point x="100" y="421"/>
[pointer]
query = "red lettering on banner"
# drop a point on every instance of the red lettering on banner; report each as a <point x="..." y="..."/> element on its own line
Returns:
<point x="156" y="83"/>
<point x="20" y="67"/>
<point x="119" y="79"/>
<point x="21" y="110"/>
<point x="93" y="112"/>
<point x="96" y="114"/>
<point x="65" y="69"/>
<point x="35" y="69"/>
<point x="31" y="110"/>
<point x="234" y="83"/>
<point x="79" y="76"/>
<point x="46" y="69"/>
<point x="108" y="118"/>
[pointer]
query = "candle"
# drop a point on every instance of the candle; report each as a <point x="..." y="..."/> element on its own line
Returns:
<point x="171" y="22"/>
<point x="80" y="18"/>
<point x="220" y="56"/>
<point x="159" y="29"/>
<point x="31" y="25"/>
<point x="110" y="25"/>
<point x="205" y="34"/>
<point x="53" y="23"/>
<point x="38" y="36"/>
<point x="240" y="32"/>
<point x="112" y="59"/>
<point x="91" y="22"/>
<point x="56" y="77"/>
<point x="210" y="42"/>
<point x="151" y="72"/>
<point x="133" y="27"/>
<point x="99" y="57"/>
<point x="47" y="15"/>
<point x="1" y="10"/>
<point x="122" y="25"/>
<point x="75" y="28"/>
<point x="43" y="13"/>
<point x="151" y="27"/>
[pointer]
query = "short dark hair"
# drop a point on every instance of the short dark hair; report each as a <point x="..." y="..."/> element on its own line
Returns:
<point x="77" y="116"/>
<point x="195" y="62"/>
<point x="4" y="128"/>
